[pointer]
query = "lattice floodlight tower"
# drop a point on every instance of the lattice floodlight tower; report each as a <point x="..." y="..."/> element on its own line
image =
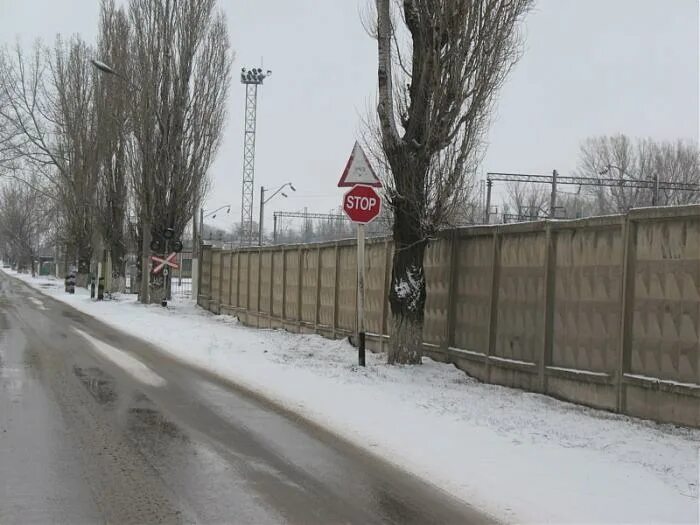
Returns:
<point x="252" y="78"/>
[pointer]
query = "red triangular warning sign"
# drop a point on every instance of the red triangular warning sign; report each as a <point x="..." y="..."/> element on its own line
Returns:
<point x="358" y="171"/>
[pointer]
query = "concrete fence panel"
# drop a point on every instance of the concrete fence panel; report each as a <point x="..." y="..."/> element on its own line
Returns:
<point x="327" y="292"/>
<point x="215" y="282"/>
<point x="587" y="299"/>
<point x="204" y="290"/>
<point x="235" y="278"/>
<point x="292" y="291"/>
<point x="226" y="279"/>
<point x="265" y="281"/>
<point x="520" y="312"/>
<point x="309" y="285"/>
<point x="665" y="335"/>
<point x="278" y="286"/>
<point x="375" y="287"/>
<point x="254" y="282"/>
<point x="437" y="269"/>
<point x="244" y="280"/>
<point x="347" y="288"/>
<point x="521" y="296"/>
<point x="474" y="269"/>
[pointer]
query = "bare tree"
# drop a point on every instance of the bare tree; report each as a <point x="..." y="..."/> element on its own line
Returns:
<point x="180" y="68"/>
<point x="112" y="111"/>
<point x="441" y="63"/>
<point x="677" y="161"/>
<point x="22" y="224"/>
<point x="527" y="201"/>
<point x="639" y="160"/>
<point x="49" y="120"/>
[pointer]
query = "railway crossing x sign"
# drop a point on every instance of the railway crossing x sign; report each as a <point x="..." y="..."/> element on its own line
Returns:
<point x="168" y="261"/>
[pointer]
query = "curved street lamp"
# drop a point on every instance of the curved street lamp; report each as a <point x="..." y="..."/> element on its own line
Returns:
<point x="264" y="201"/>
<point x="203" y="214"/>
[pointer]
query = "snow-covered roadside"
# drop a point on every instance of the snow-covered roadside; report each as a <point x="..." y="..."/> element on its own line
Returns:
<point x="520" y="456"/>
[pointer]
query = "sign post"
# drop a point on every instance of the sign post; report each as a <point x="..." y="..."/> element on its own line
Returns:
<point x="361" y="292"/>
<point x="362" y="205"/>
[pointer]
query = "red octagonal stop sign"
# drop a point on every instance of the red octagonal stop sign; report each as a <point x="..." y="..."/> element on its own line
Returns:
<point x="362" y="204"/>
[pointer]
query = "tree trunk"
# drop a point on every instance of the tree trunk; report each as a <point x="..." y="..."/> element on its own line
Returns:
<point x="145" y="256"/>
<point x="407" y="293"/>
<point x="118" y="258"/>
<point x="83" y="274"/>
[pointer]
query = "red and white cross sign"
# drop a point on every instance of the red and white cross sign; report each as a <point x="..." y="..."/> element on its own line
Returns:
<point x="168" y="261"/>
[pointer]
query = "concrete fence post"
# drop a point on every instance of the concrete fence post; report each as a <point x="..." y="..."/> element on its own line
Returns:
<point x="197" y="272"/>
<point x="271" y="305"/>
<point x="629" y="251"/>
<point x="259" y="309"/>
<point x="230" y="280"/>
<point x="283" y="313"/>
<point x="335" y="290"/>
<point x="300" y="285"/>
<point x="247" y="283"/>
<point x="451" y="292"/>
<point x="221" y="279"/>
<point x="549" y="300"/>
<point x="238" y="279"/>
<point x="493" y="302"/>
<point x="318" y="288"/>
<point x="211" y="279"/>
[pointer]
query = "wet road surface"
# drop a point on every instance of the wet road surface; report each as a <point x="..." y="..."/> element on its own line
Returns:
<point x="97" y="426"/>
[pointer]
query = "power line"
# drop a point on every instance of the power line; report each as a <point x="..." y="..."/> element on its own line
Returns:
<point x="555" y="179"/>
<point x="593" y="181"/>
<point x="306" y="216"/>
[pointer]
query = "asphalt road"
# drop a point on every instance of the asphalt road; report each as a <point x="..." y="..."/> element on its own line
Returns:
<point x="97" y="426"/>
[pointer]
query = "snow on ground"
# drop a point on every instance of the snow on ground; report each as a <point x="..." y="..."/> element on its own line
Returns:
<point x="517" y="455"/>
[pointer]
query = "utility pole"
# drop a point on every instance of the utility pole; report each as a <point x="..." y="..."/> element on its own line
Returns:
<point x="201" y="225"/>
<point x="262" y="211"/>
<point x="252" y="79"/>
<point x="264" y="201"/>
<point x="274" y="229"/>
<point x="553" y="196"/>
<point x="195" y="255"/>
<point x="487" y="211"/>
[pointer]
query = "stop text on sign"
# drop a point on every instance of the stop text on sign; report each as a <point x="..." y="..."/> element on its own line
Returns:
<point x="362" y="204"/>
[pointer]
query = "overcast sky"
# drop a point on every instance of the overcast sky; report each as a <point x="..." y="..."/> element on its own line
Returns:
<point x="590" y="67"/>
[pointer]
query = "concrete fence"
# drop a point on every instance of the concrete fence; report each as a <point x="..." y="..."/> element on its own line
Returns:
<point x="602" y="311"/>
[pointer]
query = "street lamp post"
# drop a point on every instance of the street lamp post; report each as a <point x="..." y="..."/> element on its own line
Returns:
<point x="197" y="239"/>
<point x="264" y="201"/>
<point x="203" y="214"/>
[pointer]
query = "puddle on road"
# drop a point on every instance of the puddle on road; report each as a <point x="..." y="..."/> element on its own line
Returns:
<point x="149" y="421"/>
<point x="157" y="437"/>
<point x="98" y="383"/>
<point x="71" y="315"/>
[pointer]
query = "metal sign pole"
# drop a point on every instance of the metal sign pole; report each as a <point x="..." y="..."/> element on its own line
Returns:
<point x="361" y="292"/>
